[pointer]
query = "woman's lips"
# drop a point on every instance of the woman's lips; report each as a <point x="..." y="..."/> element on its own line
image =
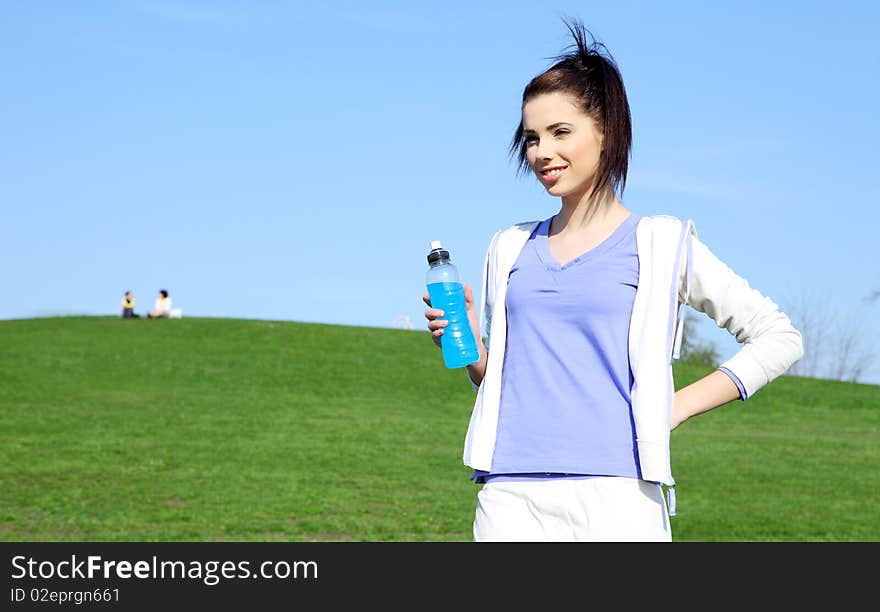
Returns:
<point x="552" y="175"/>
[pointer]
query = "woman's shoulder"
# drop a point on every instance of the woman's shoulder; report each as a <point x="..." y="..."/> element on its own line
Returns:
<point x="661" y="219"/>
<point x="513" y="233"/>
<point x="665" y="223"/>
<point x="518" y="228"/>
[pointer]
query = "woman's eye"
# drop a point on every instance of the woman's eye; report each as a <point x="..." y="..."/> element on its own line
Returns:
<point x="531" y="139"/>
<point x="560" y="132"/>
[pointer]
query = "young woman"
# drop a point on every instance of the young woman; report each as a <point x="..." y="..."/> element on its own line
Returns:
<point x="569" y="434"/>
<point x="162" y="307"/>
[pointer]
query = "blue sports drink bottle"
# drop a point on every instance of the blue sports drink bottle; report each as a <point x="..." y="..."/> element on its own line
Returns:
<point x="446" y="292"/>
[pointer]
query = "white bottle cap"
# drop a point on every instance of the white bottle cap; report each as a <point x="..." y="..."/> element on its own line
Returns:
<point x="435" y="244"/>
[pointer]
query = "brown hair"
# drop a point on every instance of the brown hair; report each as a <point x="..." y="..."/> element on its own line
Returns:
<point x="589" y="73"/>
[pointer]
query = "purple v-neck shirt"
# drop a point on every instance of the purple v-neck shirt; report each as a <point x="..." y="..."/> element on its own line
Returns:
<point x="565" y="397"/>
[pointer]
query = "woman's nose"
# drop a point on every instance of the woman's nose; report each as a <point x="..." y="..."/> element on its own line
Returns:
<point x="544" y="150"/>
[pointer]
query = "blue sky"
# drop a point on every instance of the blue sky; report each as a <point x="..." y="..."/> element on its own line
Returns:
<point x="277" y="160"/>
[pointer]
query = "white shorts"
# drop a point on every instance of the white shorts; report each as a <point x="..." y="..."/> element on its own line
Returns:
<point x="601" y="509"/>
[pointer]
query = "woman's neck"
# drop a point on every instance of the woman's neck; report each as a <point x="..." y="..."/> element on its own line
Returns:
<point x="585" y="212"/>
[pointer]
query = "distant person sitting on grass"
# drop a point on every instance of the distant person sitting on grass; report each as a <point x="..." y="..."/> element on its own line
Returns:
<point x="162" y="307"/>
<point x="128" y="307"/>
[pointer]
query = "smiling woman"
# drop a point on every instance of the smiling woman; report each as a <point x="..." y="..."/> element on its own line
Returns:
<point x="570" y="430"/>
<point x="569" y="91"/>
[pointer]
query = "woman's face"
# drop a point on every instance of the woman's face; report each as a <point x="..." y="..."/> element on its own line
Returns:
<point x="563" y="144"/>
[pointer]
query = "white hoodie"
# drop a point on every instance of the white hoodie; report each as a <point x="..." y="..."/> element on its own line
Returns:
<point x="675" y="269"/>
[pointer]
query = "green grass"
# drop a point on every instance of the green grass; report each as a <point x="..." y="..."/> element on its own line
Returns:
<point x="218" y="429"/>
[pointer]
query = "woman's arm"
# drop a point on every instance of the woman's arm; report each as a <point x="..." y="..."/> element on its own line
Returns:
<point x="709" y="392"/>
<point x="770" y="344"/>
<point x="476" y="371"/>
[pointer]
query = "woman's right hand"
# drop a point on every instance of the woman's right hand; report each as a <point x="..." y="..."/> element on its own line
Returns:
<point x="436" y="324"/>
<point x="435" y="321"/>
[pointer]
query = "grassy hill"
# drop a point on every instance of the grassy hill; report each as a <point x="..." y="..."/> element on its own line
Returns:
<point x="218" y="429"/>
